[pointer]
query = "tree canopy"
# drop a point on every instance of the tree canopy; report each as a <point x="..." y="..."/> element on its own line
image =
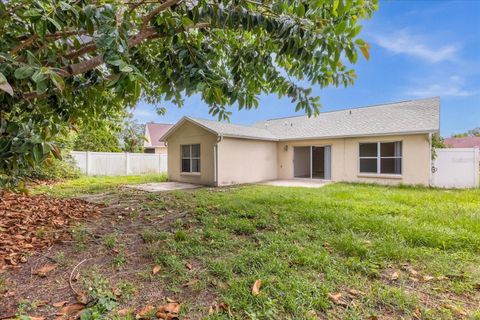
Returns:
<point x="65" y="62"/>
<point x="470" y="133"/>
<point x="99" y="139"/>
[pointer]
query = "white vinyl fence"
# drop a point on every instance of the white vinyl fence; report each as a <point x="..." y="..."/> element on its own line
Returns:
<point x="119" y="163"/>
<point x="456" y="168"/>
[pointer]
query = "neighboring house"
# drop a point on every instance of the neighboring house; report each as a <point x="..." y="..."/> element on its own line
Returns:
<point x="464" y="142"/>
<point x="388" y="143"/>
<point x="153" y="133"/>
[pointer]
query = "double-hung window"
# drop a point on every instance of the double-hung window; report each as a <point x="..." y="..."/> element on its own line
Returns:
<point x="381" y="157"/>
<point x="190" y="157"/>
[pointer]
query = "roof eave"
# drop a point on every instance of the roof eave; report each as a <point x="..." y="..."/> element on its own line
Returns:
<point x="182" y="121"/>
<point x="248" y="137"/>
<point x="361" y="135"/>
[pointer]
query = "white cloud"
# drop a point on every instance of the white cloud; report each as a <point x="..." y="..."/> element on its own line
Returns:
<point x="453" y="86"/>
<point x="404" y="42"/>
<point x="144" y="113"/>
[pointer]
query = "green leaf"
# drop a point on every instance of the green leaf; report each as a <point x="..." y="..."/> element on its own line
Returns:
<point x="55" y="23"/>
<point x="5" y="86"/>
<point x="360" y="42"/>
<point x="33" y="13"/>
<point x="41" y="28"/>
<point x="41" y="87"/>
<point x="126" y="68"/>
<point x="24" y="72"/>
<point x="186" y="22"/>
<point x="301" y="10"/>
<point x="334" y="7"/>
<point x="57" y="80"/>
<point x="90" y="27"/>
<point x="341" y="27"/>
<point x="39" y="76"/>
<point x="3" y="80"/>
<point x="37" y="152"/>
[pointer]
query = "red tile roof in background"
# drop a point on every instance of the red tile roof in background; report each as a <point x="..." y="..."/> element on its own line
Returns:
<point x="156" y="131"/>
<point x="465" y="142"/>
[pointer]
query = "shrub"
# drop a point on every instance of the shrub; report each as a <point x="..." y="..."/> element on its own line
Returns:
<point x="55" y="169"/>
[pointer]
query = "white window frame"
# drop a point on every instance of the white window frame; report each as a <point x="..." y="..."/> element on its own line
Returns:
<point x="190" y="158"/>
<point x="379" y="159"/>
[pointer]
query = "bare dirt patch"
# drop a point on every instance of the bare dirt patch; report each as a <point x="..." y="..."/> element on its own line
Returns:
<point x="108" y="257"/>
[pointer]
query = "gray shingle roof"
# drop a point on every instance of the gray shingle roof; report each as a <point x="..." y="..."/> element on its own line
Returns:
<point x="412" y="116"/>
<point x="235" y="130"/>
<point x="406" y="117"/>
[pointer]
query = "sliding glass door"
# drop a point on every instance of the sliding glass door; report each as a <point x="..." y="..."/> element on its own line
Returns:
<point x="312" y="162"/>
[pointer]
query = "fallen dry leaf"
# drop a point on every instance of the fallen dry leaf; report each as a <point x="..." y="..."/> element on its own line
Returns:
<point x="82" y="298"/>
<point x="355" y="292"/>
<point x="73" y="308"/>
<point x="191" y="283"/>
<point x="455" y="309"/>
<point x="327" y="247"/>
<point x="427" y="278"/>
<point x="24" y="215"/>
<point x="215" y="308"/>
<point x="417" y="314"/>
<point x="41" y="303"/>
<point x="169" y="311"/>
<point x="76" y="276"/>
<point x="256" y="287"/>
<point x="337" y="298"/>
<point x="156" y="269"/>
<point x="42" y="272"/>
<point x="410" y="269"/>
<point x="123" y="312"/>
<point x="212" y="310"/>
<point x="312" y="314"/>
<point x="59" y="304"/>
<point x="189" y="266"/>
<point x="394" y="276"/>
<point x="145" y="312"/>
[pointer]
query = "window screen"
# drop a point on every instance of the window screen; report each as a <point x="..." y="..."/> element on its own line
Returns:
<point x="381" y="157"/>
<point x="190" y="161"/>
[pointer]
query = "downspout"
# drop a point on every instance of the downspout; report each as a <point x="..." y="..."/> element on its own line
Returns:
<point x="430" y="171"/>
<point x="215" y="160"/>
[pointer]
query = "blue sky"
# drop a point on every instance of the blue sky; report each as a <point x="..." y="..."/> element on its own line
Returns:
<point x="418" y="49"/>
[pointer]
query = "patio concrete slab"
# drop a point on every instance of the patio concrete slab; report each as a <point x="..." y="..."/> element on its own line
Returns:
<point x="163" y="186"/>
<point x="303" y="183"/>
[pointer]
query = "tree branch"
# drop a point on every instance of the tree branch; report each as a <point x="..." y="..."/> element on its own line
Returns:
<point x="54" y="36"/>
<point x="164" y="6"/>
<point x="24" y="44"/>
<point x="148" y="33"/>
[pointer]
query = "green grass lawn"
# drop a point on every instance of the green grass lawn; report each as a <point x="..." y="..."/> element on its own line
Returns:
<point x="87" y="185"/>
<point x="344" y="251"/>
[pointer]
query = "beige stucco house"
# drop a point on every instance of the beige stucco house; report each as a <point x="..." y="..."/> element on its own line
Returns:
<point x="389" y="144"/>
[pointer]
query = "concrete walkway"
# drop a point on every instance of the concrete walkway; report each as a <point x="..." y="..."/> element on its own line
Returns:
<point x="163" y="186"/>
<point x="304" y="183"/>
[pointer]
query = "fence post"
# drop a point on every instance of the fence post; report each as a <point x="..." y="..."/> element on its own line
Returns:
<point x="87" y="164"/>
<point x="476" y="167"/>
<point x="127" y="163"/>
<point x="159" y="162"/>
